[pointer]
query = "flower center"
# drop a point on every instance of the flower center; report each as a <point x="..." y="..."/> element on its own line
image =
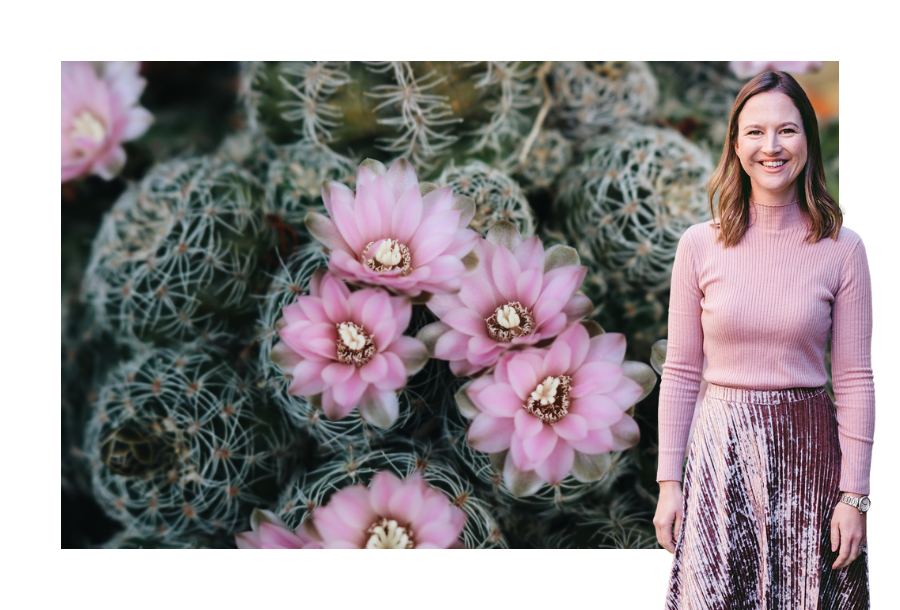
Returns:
<point x="510" y="321"/>
<point x="550" y="399"/>
<point x="354" y="345"/>
<point x="388" y="534"/>
<point x="390" y="255"/>
<point x="86" y="125"/>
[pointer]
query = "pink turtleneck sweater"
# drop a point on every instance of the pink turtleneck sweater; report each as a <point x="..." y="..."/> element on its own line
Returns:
<point x="762" y="312"/>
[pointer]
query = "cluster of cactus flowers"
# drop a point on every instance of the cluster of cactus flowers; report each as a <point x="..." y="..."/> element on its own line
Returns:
<point x="351" y="318"/>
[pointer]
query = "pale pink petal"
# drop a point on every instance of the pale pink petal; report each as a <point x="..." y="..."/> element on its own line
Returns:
<point x="333" y="409"/>
<point x="308" y="378"/>
<point x="562" y="282"/>
<point x="406" y="502"/>
<point x="572" y="427"/>
<point x="406" y="215"/>
<point x="434" y="224"/>
<point x="431" y="249"/>
<point x="401" y="177"/>
<point x="597" y="441"/>
<point x="374" y="204"/>
<point x="598" y="411"/>
<point x="577" y="308"/>
<point x="552" y="327"/>
<point x="444" y="268"/>
<point x="626" y="392"/>
<point x="517" y="454"/>
<point x="498" y="399"/>
<point x="271" y="536"/>
<point x="350" y="391"/>
<point x="437" y="200"/>
<point x="577" y="338"/>
<point x="312" y="309"/>
<point x="505" y="270"/>
<point x="527" y="425"/>
<point x="596" y="377"/>
<point x="335" y="295"/>
<point x="558" y="358"/>
<point x="490" y="434"/>
<point x="558" y="464"/>
<point x="411" y="351"/>
<point x="325" y="232"/>
<point x="382" y="488"/>
<point x="439" y="533"/>
<point x="374" y="369"/>
<point x="522" y="377"/>
<point x="547" y="308"/>
<point x="451" y="345"/>
<point x="481" y="345"/>
<point x="466" y="321"/>
<point x="625" y="433"/>
<point x="539" y="446"/>
<point x="336" y="373"/>
<point x="395" y="377"/>
<point x="379" y="408"/>
<point x="609" y="347"/>
<point x="530" y="254"/>
<point x="528" y="287"/>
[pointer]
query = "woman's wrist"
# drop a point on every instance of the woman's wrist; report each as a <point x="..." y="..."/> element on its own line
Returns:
<point x="853" y="494"/>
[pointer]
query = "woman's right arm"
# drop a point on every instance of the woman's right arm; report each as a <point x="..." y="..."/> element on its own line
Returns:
<point x="679" y="386"/>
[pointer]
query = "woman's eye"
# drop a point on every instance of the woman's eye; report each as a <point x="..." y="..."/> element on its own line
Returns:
<point x="750" y="133"/>
<point x="790" y="130"/>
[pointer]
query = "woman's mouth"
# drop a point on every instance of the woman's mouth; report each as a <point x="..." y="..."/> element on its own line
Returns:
<point x="773" y="166"/>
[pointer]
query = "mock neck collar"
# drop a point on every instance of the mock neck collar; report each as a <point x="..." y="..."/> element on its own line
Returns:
<point x="779" y="217"/>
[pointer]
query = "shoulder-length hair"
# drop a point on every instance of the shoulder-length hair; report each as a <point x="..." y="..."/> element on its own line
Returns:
<point x="730" y="178"/>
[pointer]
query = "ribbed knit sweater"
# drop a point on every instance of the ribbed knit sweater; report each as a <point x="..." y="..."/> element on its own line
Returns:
<point x="762" y="312"/>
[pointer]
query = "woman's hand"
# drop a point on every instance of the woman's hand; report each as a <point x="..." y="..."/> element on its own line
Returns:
<point x="848" y="530"/>
<point x="669" y="511"/>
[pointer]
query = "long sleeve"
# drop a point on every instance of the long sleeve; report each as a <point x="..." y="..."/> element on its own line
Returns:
<point x="854" y="389"/>
<point x="681" y="376"/>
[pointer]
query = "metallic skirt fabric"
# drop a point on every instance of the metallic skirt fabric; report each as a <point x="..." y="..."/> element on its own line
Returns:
<point x="760" y="487"/>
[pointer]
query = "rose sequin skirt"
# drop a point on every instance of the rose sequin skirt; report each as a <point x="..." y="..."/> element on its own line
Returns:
<point x="760" y="488"/>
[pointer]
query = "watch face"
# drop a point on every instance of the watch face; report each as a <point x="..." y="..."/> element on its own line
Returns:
<point x="864" y="504"/>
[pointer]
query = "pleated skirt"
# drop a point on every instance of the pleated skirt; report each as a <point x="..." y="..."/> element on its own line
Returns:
<point x="760" y="487"/>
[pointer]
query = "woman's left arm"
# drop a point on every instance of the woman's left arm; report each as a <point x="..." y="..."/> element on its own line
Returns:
<point x="854" y="394"/>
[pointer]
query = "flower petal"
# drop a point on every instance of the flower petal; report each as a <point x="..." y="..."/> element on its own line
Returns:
<point x="490" y="434"/>
<point x="527" y="425"/>
<point x="379" y="408"/>
<point x="539" y="446"/>
<point x="572" y="427"/>
<point x="558" y="464"/>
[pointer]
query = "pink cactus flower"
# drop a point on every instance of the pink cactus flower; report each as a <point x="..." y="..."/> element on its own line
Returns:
<point x="99" y="112"/>
<point x="349" y="348"/>
<point x="749" y="69"/>
<point x="555" y="409"/>
<point x="390" y="514"/>
<point x="270" y="532"/>
<point x="386" y="233"/>
<point x="517" y="296"/>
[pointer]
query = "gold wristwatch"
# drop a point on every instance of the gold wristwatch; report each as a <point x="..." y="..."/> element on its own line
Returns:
<point x="862" y="504"/>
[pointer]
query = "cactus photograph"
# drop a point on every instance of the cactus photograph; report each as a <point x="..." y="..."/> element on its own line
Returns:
<point x="376" y="305"/>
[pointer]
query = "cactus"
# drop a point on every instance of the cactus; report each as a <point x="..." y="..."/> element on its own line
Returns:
<point x="180" y="444"/>
<point x="592" y="97"/>
<point x="313" y="488"/>
<point x="496" y="196"/>
<point x="176" y="258"/>
<point x="631" y="198"/>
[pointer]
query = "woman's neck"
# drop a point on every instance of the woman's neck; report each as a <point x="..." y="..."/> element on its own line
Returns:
<point x="774" y="198"/>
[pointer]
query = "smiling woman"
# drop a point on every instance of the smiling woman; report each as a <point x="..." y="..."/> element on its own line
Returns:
<point x="769" y="515"/>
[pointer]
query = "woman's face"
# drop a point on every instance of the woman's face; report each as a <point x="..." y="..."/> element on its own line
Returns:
<point x="771" y="145"/>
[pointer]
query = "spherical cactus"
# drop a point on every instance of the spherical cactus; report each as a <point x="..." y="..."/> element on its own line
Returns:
<point x="313" y="489"/>
<point x="496" y="196"/>
<point x="592" y="97"/>
<point x="176" y="258"/>
<point x="306" y="412"/>
<point x="631" y="198"/>
<point x="546" y="160"/>
<point x="697" y="97"/>
<point x="295" y="176"/>
<point x="180" y="445"/>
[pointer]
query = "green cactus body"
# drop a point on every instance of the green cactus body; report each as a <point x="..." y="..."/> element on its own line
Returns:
<point x="291" y="281"/>
<point x="592" y="97"/>
<point x="631" y="198"/>
<point x="181" y="445"/>
<point x="496" y="196"/>
<point x="314" y="488"/>
<point x="176" y="258"/>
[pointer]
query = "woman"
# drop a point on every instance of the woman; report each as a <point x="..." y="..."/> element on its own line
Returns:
<point x="767" y="516"/>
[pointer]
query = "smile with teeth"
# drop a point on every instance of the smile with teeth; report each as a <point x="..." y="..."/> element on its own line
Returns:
<point x="773" y="163"/>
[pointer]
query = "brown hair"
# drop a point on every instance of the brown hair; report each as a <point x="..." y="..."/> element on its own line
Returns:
<point x="816" y="204"/>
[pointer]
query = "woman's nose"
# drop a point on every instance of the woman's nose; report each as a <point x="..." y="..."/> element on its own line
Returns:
<point x="772" y="144"/>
